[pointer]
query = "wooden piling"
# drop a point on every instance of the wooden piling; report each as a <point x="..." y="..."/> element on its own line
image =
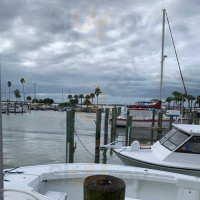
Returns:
<point x="128" y="130"/>
<point x="107" y="110"/>
<point x="70" y="136"/>
<point x="170" y="122"/>
<point x="160" y="119"/>
<point x="153" y="124"/>
<point x="98" y="135"/>
<point x="22" y="107"/>
<point x="113" y="124"/>
<point x="104" y="187"/>
<point x="127" y="113"/>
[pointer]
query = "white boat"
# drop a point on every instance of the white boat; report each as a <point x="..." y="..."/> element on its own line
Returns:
<point x="65" y="182"/>
<point x="177" y="151"/>
<point x="146" y="120"/>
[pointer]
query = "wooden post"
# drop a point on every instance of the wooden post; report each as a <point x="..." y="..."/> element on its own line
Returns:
<point x="104" y="187"/>
<point x="70" y="136"/>
<point x="119" y="111"/>
<point x="170" y="122"/>
<point x="22" y="107"/>
<point x="113" y="124"/>
<point x="98" y="135"/>
<point x="128" y="130"/>
<point x="160" y="118"/>
<point x="106" y="126"/>
<point x="128" y="113"/>
<point x="153" y="123"/>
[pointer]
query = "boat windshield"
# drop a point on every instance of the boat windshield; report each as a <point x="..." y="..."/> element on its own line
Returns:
<point x="166" y="136"/>
<point x="174" y="139"/>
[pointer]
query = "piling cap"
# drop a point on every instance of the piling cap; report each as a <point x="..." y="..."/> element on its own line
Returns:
<point x="103" y="187"/>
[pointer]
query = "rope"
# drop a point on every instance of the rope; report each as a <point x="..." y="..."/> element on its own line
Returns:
<point x="77" y="135"/>
<point x="83" y="144"/>
<point x="170" y="30"/>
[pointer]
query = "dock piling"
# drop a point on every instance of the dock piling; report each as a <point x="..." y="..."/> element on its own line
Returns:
<point x="113" y="124"/>
<point x="98" y="135"/>
<point x="106" y="126"/>
<point x="70" y="136"/>
<point x="160" y="119"/>
<point x="170" y="122"/>
<point x="153" y="124"/>
<point x="104" y="187"/>
<point x="128" y="130"/>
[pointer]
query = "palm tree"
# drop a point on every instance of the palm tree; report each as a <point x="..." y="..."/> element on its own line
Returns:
<point x="76" y="99"/>
<point x="169" y="100"/>
<point x="190" y="99"/>
<point x="9" y="85"/>
<point x="97" y="93"/>
<point x="87" y="96"/>
<point x="69" y="97"/>
<point x="87" y="100"/>
<point x="28" y="98"/>
<point x="23" y="81"/>
<point x="81" y="96"/>
<point x="92" y="96"/>
<point x="75" y="96"/>
<point x="176" y="96"/>
<point x="17" y="94"/>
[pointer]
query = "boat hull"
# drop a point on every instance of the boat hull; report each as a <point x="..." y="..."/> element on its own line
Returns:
<point x="136" y="163"/>
<point x="143" y="123"/>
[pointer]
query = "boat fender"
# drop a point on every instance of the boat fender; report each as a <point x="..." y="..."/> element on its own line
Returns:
<point x="135" y="146"/>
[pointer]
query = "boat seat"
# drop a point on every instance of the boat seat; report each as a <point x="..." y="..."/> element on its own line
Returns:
<point x="56" y="195"/>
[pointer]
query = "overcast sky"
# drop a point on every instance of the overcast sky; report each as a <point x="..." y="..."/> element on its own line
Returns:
<point x="113" y="44"/>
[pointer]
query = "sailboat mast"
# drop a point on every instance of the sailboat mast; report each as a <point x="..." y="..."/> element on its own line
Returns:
<point x="1" y="138"/>
<point x="162" y="55"/>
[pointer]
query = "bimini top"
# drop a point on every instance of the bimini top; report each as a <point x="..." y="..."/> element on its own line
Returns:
<point x="188" y="128"/>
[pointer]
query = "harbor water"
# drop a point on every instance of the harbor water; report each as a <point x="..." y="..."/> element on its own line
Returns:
<point x="40" y="138"/>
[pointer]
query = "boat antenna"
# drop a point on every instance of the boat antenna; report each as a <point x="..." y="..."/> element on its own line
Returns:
<point x="183" y="82"/>
<point x="162" y="55"/>
<point x="1" y="138"/>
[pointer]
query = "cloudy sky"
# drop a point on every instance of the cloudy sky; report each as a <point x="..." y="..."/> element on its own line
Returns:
<point x="81" y="44"/>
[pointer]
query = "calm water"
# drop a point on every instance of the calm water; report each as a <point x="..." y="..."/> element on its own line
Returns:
<point x="39" y="138"/>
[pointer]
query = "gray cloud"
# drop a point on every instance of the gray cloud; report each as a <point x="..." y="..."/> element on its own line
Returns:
<point x="83" y="44"/>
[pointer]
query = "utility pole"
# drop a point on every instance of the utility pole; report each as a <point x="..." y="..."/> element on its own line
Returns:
<point x="1" y="140"/>
<point x="5" y="93"/>
<point x="62" y="97"/>
<point x="162" y="55"/>
<point x="34" y="87"/>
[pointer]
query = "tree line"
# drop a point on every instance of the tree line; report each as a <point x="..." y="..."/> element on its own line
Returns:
<point x="179" y="98"/>
<point x="88" y="99"/>
<point x="29" y="99"/>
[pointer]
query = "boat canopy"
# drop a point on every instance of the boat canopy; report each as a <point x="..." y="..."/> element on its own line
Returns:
<point x="183" y="139"/>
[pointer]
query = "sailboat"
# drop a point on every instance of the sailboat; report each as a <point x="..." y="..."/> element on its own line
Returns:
<point x="177" y="151"/>
<point x="141" y="112"/>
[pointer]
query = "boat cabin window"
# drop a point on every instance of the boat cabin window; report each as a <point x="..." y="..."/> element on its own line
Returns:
<point x="175" y="140"/>
<point x="166" y="136"/>
<point x="191" y="146"/>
